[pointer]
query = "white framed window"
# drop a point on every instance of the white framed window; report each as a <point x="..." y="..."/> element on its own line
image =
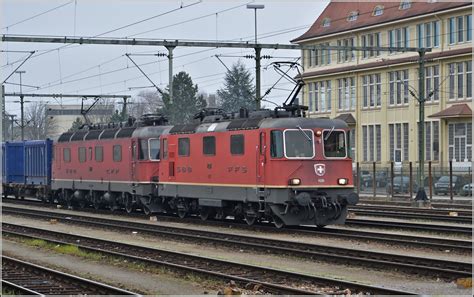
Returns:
<point x="399" y="141"/>
<point x="459" y="29"/>
<point x="346" y="93"/>
<point x="370" y="40"/>
<point x="378" y="10"/>
<point x="372" y="90"/>
<point x="399" y="37"/>
<point x="326" y="22"/>
<point x="345" y="55"/>
<point x="372" y="143"/>
<point x="431" y="141"/>
<point x="428" y="34"/>
<point x="320" y="56"/>
<point x="405" y="4"/>
<point x="322" y="96"/>
<point x="353" y="16"/>
<point x="432" y="83"/>
<point x="398" y="87"/>
<point x="311" y="96"/>
<point x="460" y="142"/>
<point x="460" y="80"/>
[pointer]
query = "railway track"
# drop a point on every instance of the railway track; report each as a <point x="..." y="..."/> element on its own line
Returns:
<point x="408" y="203"/>
<point x="271" y="280"/>
<point x="407" y="209"/>
<point x="409" y="214"/>
<point x="31" y="279"/>
<point x="409" y="264"/>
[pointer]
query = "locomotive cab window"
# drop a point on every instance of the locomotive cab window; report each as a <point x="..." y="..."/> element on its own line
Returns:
<point x="334" y="144"/>
<point x="99" y="153"/>
<point x="154" y="149"/>
<point x="67" y="155"/>
<point x="276" y="144"/>
<point x="299" y="143"/>
<point x="237" y="144"/>
<point x="209" y="145"/>
<point x="82" y="154"/>
<point x="117" y="153"/>
<point x="183" y="147"/>
<point x="143" y="154"/>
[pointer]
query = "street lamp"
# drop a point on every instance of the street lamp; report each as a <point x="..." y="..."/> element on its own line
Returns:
<point x="257" y="56"/>
<point x="255" y="7"/>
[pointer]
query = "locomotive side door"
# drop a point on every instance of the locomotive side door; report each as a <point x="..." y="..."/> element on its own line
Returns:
<point x="261" y="159"/>
<point x="133" y="160"/>
<point x="172" y="159"/>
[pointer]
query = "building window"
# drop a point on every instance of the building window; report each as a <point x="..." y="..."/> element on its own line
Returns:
<point x="399" y="142"/>
<point x="372" y="40"/>
<point x="431" y="141"/>
<point x="352" y="143"/>
<point x="405" y="4"/>
<point x="117" y="153"/>
<point x="237" y="144"/>
<point x="346" y="91"/>
<point x="345" y="55"/>
<point x="353" y="16"/>
<point x="67" y="155"/>
<point x="398" y="87"/>
<point x="378" y="10"/>
<point x="82" y="152"/>
<point x="432" y="83"/>
<point x="322" y="96"/>
<point x="459" y="29"/>
<point x="428" y="34"/>
<point x="184" y="148"/>
<point x="460" y="80"/>
<point x="320" y="56"/>
<point x="460" y="142"/>
<point x="209" y="145"/>
<point x="326" y="22"/>
<point x="399" y="37"/>
<point x="99" y="153"/>
<point x="372" y="90"/>
<point x="372" y="143"/>
<point x="311" y="96"/>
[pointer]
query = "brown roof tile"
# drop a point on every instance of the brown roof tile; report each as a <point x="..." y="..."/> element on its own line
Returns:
<point x="454" y="111"/>
<point x="338" y="11"/>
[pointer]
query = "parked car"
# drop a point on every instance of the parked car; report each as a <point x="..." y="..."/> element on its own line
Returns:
<point x="401" y="184"/>
<point x="442" y="185"/>
<point x="467" y="190"/>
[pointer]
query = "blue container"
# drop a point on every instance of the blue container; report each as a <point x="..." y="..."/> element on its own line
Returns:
<point x="38" y="156"/>
<point x="13" y="157"/>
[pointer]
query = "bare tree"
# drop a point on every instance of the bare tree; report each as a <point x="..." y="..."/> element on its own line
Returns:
<point x="38" y="125"/>
<point x="145" y="102"/>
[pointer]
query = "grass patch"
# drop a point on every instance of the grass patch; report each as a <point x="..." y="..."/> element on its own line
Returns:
<point x="67" y="249"/>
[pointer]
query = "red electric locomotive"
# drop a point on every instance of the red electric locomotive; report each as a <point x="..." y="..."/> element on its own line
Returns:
<point x="272" y="164"/>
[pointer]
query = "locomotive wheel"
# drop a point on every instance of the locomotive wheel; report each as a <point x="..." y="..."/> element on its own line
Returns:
<point x="182" y="213"/>
<point x="128" y="204"/>
<point x="82" y="203"/>
<point x="204" y="213"/>
<point x="220" y="214"/>
<point x="96" y="202"/>
<point x="69" y="203"/>
<point x="250" y="219"/>
<point x="278" y="222"/>
<point x="146" y="210"/>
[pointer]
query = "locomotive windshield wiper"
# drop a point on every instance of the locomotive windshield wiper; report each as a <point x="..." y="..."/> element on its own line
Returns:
<point x="332" y="129"/>
<point x="306" y="135"/>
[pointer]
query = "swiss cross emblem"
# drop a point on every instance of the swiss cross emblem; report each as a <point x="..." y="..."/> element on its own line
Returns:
<point x="320" y="169"/>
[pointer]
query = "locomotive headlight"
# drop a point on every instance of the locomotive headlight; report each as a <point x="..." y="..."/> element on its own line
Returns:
<point x="294" y="182"/>
<point x="342" y="181"/>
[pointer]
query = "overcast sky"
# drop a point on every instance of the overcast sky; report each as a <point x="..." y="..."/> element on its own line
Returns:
<point x="103" y="69"/>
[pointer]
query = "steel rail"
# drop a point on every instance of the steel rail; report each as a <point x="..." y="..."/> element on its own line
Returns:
<point x="42" y="280"/>
<point x="17" y="289"/>
<point x="273" y="280"/>
<point x="451" y="206"/>
<point x="409" y="215"/>
<point x="435" y="211"/>
<point x="351" y="234"/>
<point x="410" y="264"/>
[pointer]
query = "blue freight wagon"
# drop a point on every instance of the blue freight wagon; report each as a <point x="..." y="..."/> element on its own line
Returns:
<point x="27" y="168"/>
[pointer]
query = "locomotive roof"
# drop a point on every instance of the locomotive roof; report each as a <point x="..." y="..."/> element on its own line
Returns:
<point x="255" y="123"/>
<point x="124" y="132"/>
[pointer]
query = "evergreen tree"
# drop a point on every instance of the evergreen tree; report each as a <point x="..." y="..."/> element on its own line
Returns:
<point x="238" y="90"/>
<point x="117" y="117"/>
<point x="76" y="125"/>
<point x="186" y="102"/>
